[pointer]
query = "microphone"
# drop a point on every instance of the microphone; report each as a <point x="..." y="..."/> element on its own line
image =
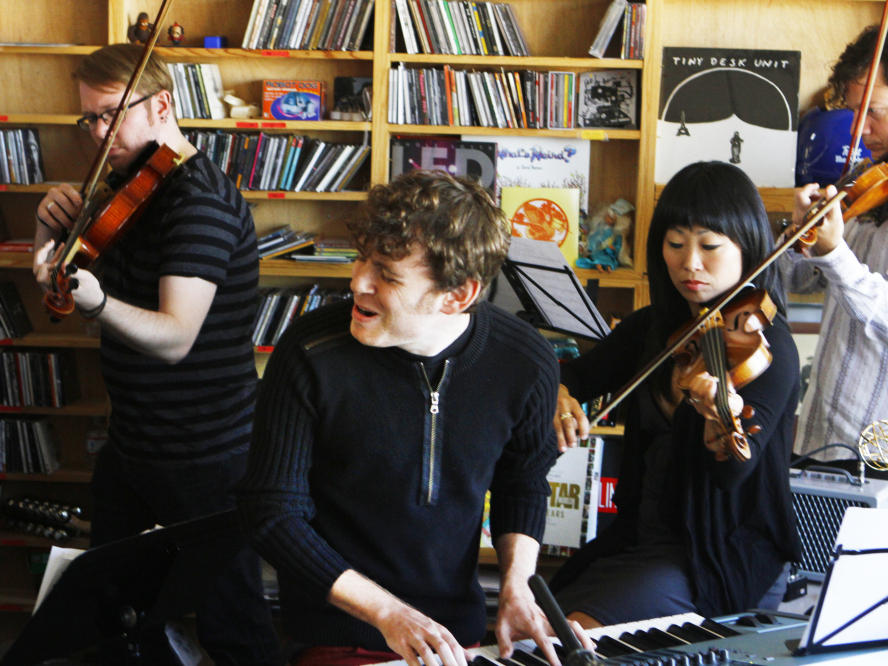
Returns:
<point x="577" y="655"/>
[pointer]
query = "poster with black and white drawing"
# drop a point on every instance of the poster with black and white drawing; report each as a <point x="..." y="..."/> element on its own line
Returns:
<point x="733" y="105"/>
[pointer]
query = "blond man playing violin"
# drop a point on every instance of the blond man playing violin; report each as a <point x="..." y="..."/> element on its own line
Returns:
<point x="698" y="529"/>
<point x="175" y="298"/>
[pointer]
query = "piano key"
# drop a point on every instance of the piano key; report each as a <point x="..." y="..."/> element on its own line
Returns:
<point x="665" y="640"/>
<point x="481" y="660"/>
<point x="722" y="630"/>
<point x="690" y="632"/>
<point x="528" y="658"/>
<point x="608" y="647"/>
<point x="640" y="640"/>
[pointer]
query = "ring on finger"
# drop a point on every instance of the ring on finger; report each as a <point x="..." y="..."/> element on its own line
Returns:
<point x="50" y="205"/>
<point x="565" y="415"/>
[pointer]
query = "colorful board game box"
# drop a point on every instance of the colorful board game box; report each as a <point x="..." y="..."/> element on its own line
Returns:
<point x="291" y="99"/>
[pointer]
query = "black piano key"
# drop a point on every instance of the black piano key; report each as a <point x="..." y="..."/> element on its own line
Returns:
<point x="690" y="632"/>
<point x="481" y="660"/>
<point x="666" y="640"/>
<point x="721" y="629"/>
<point x="638" y="640"/>
<point x="527" y="658"/>
<point x="611" y="647"/>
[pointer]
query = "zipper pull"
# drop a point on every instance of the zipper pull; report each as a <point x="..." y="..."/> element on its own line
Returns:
<point x="433" y="406"/>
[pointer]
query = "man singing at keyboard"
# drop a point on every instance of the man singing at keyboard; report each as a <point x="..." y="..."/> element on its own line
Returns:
<point x="381" y="423"/>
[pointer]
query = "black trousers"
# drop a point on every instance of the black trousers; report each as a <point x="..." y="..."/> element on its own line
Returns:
<point x="131" y="495"/>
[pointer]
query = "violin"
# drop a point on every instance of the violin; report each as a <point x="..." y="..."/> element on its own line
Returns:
<point x="108" y="219"/>
<point x="864" y="188"/>
<point x="97" y="226"/>
<point x="724" y="348"/>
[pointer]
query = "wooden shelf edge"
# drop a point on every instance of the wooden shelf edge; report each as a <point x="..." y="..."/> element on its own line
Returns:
<point x="189" y="52"/>
<point x="276" y="195"/>
<point x="590" y="133"/>
<point x="524" y="62"/>
<point x="93" y="407"/>
<point x="17" y="600"/>
<point x="287" y="268"/>
<point x="60" y="340"/>
<point x="59" y="476"/>
<point x="776" y="199"/>
<point x="22" y="540"/>
<point x="266" y="124"/>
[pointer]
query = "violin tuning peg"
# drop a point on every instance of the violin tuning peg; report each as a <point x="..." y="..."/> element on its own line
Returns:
<point x="752" y="430"/>
<point x="747" y="412"/>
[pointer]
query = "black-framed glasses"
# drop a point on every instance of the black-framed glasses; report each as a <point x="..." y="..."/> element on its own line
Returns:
<point x="88" y="120"/>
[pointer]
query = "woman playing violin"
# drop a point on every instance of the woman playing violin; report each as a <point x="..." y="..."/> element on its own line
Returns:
<point x="697" y="529"/>
<point x="175" y="298"/>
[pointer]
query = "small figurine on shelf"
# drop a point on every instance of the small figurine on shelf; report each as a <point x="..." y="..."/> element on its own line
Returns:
<point x="141" y="31"/>
<point x="606" y="233"/>
<point x="176" y="33"/>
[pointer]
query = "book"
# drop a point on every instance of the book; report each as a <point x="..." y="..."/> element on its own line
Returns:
<point x="293" y="99"/>
<point x="15" y="318"/>
<point x="411" y="44"/>
<point x="472" y="159"/>
<point x="529" y="161"/>
<point x="608" y="98"/>
<point x="575" y="482"/>
<point x="545" y="213"/>
<point x="607" y="28"/>
<point x="732" y="105"/>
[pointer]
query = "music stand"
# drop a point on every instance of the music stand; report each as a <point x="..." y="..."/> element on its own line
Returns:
<point x="550" y="291"/>
<point x="852" y="609"/>
<point x="128" y="589"/>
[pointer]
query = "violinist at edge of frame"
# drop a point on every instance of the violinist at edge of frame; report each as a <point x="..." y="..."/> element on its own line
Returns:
<point x="696" y="530"/>
<point x="175" y="298"/>
<point x="849" y="263"/>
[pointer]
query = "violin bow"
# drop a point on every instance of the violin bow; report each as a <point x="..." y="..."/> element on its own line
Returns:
<point x="860" y="118"/>
<point x="88" y="189"/>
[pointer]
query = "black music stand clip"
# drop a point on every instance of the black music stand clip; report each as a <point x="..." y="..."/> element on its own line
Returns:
<point x="122" y="594"/>
<point x="550" y="291"/>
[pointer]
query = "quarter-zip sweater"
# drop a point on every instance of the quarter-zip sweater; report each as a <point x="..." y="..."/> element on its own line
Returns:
<point x="362" y="459"/>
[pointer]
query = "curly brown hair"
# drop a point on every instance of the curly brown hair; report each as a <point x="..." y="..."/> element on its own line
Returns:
<point x="853" y="64"/>
<point x="464" y="234"/>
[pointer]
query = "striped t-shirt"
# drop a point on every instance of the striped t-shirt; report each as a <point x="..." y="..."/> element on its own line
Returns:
<point x="197" y="226"/>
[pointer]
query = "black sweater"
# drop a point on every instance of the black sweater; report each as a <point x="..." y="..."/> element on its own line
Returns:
<point x="734" y="518"/>
<point x="349" y="469"/>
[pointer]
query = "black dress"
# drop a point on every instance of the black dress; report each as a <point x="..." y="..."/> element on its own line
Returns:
<point x="691" y="534"/>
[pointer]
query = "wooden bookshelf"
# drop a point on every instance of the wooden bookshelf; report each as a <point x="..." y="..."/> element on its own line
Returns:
<point x="42" y="41"/>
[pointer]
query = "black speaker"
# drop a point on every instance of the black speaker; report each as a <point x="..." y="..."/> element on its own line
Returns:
<point x="819" y="500"/>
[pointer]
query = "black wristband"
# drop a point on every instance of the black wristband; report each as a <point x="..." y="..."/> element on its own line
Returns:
<point x="96" y="311"/>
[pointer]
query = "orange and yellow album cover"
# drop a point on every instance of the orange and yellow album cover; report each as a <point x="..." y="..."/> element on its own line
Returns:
<point x="545" y="213"/>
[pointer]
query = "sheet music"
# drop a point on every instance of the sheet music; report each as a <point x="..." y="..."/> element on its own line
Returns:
<point x="856" y="583"/>
<point x="59" y="559"/>
<point x="554" y="288"/>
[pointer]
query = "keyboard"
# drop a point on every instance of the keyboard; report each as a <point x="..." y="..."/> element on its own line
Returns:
<point x="753" y="638"/>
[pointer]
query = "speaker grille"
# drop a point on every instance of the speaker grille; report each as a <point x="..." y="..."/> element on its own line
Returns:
<point x="818" y="518"/>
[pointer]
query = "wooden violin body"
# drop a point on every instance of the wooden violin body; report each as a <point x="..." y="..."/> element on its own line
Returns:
<point x="125" y="206"/>
<point x="725" y="349"/>
<point x="859" y="192"/>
